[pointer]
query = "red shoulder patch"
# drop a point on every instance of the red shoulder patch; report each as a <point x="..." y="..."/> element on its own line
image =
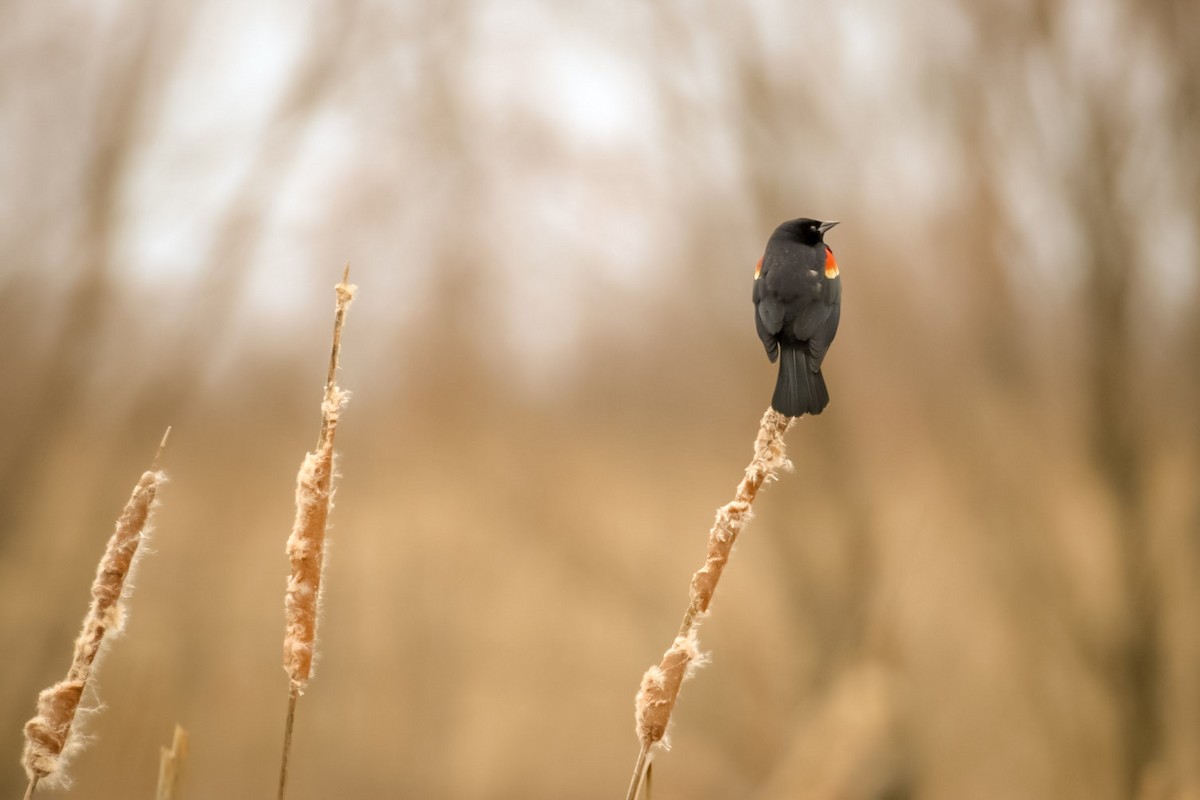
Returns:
<point x="758" y="268"/>
<point x="831" y="267"/>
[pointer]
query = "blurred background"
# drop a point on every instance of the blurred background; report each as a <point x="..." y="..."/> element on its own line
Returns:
<point x="983" y="578"/>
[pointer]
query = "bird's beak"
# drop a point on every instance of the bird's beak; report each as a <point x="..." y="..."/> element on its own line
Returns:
<point x="825" y="226"/>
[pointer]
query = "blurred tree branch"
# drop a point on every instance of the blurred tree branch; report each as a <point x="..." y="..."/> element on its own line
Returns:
<point x="132" y="55"/>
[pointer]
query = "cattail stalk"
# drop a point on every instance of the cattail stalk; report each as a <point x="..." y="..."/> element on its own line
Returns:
<point x="48" y="736"/>
<point x="661" y="683"/>
<point x="306" y="545"/>
<point x="170" y="766"/>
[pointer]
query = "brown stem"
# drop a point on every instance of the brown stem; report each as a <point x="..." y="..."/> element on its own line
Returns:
<point x="49" y="732"/>
<point x="661" y="683"/>
<point x="171" y="765"/>
<point x="344" y="294"/>
<point x="287" y="740"/>
<point x="639" y="769"/>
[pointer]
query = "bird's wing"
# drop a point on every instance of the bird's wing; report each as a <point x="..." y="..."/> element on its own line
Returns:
<point x="769" y="339"/>
<point x="768" y="315"/>
<point x="818" y="343"/>
<point x="810" y="316"/>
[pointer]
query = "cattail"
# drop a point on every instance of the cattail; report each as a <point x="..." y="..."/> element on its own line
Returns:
<point x="306" y="544"/>
<point x="661" y="683"/>
<point x="170" y="766"/>
<point x="306" y="547"/>
<point x="48" y="736"/>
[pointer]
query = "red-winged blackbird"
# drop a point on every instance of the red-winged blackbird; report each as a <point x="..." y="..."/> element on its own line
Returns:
<point x="797" y="303"/>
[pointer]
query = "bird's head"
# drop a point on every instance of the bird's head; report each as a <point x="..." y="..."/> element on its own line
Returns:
<point x="805" y="230"/>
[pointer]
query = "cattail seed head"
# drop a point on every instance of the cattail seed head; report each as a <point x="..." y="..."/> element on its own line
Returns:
<point x="48" y="736"/>
<point x="314" y="499"/>
<point x="306" y="552"/>
<point x="660" y="688"/>
<point x="661" y="683"/>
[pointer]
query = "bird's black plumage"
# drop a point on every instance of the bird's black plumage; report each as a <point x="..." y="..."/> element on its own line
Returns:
<point x="797" y="304"/>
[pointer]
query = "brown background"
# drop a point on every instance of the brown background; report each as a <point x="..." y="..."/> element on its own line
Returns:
<point x="980" y="582"/>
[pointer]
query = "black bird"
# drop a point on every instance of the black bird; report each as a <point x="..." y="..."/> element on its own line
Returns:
<point x="797" y="303"/>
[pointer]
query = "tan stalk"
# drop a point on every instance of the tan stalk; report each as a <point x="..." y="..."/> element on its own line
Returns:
<point x="661" y="683"/>
<point x="306" y="544"/>
<point x="48" y="736"/>
<point x="170" y="766"/>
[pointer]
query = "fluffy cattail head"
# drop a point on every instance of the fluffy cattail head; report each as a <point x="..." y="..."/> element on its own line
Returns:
<point x="48" y="736"/>
<point x="314" y="499"/>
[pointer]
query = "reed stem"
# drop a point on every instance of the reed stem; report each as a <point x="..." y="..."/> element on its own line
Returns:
<point x="49" y="734"/>
<point x="306" y="544"/>
<point x="287" y="741"/>
<point x="661" y="683"/>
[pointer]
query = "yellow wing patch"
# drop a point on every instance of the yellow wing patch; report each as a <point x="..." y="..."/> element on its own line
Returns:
<point x="758" y="269"/>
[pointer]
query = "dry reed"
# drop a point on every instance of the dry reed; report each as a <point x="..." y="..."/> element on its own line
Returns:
<point x="48" y="736"/>
<point x="660" y="685"/>
<point x="170" y="766"/>
<point x="306" y="544"/>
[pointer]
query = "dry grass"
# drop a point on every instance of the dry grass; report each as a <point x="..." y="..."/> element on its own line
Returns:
<point x="661" y="683"/>
<point x="306" y="545"/>
<point x="171" y="765"/>
<point x="49" y="738"/>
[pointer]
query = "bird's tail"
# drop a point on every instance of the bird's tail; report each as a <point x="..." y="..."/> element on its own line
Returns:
<point x="799" y="388"/>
